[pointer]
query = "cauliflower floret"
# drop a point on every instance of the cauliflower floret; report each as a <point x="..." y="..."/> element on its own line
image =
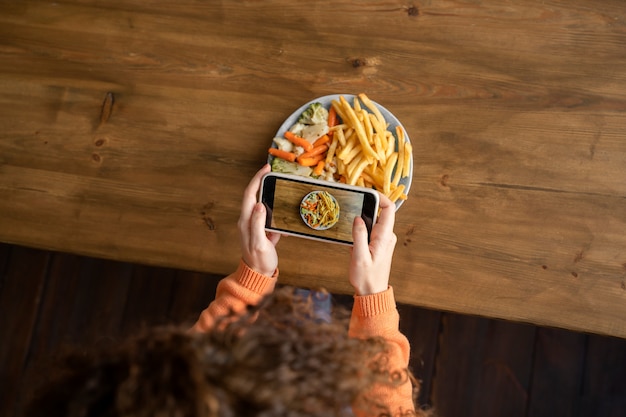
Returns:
<point x="298" y="150"/>
<point x="297" y="128"/>
<point x="283" y="144"/>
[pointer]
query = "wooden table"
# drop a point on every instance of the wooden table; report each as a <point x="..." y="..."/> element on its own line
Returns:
<point x="129" y="129"/>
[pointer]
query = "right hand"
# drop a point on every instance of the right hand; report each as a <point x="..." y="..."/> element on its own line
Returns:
<point x="370" y="264"/>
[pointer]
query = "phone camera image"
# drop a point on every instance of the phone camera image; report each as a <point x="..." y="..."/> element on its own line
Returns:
<point x="323" y="212"/>
<point x="319" y="210"/>
<point x="316" y="209"/>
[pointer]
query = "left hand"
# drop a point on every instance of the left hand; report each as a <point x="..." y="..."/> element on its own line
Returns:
<point x="258" y="247"/>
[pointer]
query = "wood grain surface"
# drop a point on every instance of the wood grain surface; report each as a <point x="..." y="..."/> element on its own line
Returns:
<point x="129" y="130"/>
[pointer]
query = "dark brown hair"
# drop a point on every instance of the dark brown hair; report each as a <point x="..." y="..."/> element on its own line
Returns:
<point x="276" y="360"/>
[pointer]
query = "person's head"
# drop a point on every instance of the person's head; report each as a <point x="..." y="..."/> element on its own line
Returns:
<point x="275" y="360"/>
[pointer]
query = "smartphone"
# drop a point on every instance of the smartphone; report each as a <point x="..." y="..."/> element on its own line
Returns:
<point x="316" y="209"/>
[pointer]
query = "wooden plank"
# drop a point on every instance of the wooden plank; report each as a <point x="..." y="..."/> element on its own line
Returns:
<point x="421" y="327"/>
<point x="482" y="368"/>
<point x="604" y="382"/>
<point x="516" y="111"/>
<point x="82" y="308"/>
<point x="148" y="298"/>
<point x="83" y="305"/>
<point x="23" y="282"/>
<point x="191" y="293"/>
<point x="5" y="253"/>
<point x="557" y="373"/>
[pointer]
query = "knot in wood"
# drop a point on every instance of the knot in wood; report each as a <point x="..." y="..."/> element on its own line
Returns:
<point x="412" y="11"/>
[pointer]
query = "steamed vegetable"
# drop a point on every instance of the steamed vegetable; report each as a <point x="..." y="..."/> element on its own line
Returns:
<point x="319" y="168"/>
<point x="332" y="118"/>
<point x="310" y="161"/>
<point x="283" y="144"/>
<point x="313" y="132"/>
<point x="298" y="141"/>
<point x="314" y="114"/>
<point x="324" y="139"/>
<point x="288" y="156"/>
<point x="282" y="165"/>
<point x="305" y="144"/>
<point x="316" y="151"/>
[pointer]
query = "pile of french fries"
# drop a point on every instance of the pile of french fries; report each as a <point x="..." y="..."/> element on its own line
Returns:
<point x="365" y="149"/>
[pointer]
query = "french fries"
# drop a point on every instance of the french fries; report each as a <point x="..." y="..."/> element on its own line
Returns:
<point x="366" y="151"/>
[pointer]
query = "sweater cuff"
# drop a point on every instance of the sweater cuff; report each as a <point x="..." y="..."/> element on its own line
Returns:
<point x="374" y="304"/>
<point x="254" y="281"/>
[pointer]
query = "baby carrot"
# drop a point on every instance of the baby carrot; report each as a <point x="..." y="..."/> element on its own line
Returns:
<point x="298" y="141"/>
<point x="319" y="168"/>
<point x="324" y="139"/>
<point x="318" y="150"/>
<point x="332" y="118"/>
<point x="289" y="156"/>
<point x="309" y="162"/>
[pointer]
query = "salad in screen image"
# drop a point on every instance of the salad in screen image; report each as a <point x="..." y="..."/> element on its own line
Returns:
<point x="319" y="210"/>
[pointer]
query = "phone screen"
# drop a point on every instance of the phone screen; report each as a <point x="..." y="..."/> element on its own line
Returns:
<point x="290" y="203"/>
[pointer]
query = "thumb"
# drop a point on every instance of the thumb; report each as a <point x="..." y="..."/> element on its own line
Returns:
<point x="360" y="248"/>
<point x="257" y="222"/>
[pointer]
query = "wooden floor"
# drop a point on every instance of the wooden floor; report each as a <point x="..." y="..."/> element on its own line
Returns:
<point x="469" y="366"/>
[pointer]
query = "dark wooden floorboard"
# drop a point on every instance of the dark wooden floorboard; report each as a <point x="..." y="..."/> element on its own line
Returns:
<point x="149" y="294"/>
<point x="421" y="327"/>
<point x="604" y="382"/>
<point x="469" y="366"/>
<point x="83" y="303"/>
<point x="5" y="252"/>
<point x="82" y="306"/>
<point x="191" y="293"/>
<point x="23" y="281"/>
<point x="482" y="368"/>
<point x="163" y="296"/>
<point x="557" y="373"/>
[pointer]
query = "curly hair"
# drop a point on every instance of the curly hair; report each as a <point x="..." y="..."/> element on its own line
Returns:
<point x="275" y="360"/>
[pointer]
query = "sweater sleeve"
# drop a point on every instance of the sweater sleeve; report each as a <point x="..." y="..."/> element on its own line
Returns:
<point x="376" y="316"/>
<point x="241" y="288"/>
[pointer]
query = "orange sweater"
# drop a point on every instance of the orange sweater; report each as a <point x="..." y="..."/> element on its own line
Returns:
<point x="372" y="316"/>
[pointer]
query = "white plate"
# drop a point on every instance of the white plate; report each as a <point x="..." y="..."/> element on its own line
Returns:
<point x="326" y="102"/>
